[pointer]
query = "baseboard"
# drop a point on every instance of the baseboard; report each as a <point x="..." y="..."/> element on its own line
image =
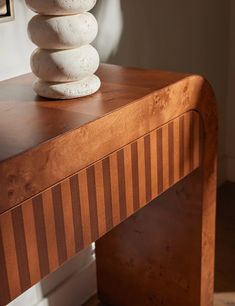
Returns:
<point x="71" y="285"/>
<point x="230" y="169"/>
<point x="74" y="291"/>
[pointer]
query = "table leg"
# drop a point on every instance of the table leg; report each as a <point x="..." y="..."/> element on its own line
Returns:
<point x="155" y="256"/>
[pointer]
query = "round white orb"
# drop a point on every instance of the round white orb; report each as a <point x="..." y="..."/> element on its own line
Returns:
<point x="62" y="32"/>
<point x="69" y="90"/>
<point x="60" y="7"/>
<point x="65" y="65"/>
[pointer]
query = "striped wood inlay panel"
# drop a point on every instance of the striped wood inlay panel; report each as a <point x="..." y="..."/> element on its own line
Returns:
<point x="42" y="233"/>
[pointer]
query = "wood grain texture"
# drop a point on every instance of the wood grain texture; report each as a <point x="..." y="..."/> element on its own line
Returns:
<point x="41" y="136"/>
<point x="80" y="209"/>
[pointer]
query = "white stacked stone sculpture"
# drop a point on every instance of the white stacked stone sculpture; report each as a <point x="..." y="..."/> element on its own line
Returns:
<point x="64" y="62"/>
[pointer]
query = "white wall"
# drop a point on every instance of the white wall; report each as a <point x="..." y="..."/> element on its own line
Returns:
<point x="15" y="47"/>
<point x="230" y="114"/>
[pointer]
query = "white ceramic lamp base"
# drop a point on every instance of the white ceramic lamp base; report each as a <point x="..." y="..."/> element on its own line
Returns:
<point x="64" y="62"/>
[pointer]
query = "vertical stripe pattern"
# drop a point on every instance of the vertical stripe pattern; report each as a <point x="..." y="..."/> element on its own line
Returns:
<point x="20" y="244"/>
<point x="59" y="223"/>
<point x="76" y="208"/>
<point x="42" y="233"/>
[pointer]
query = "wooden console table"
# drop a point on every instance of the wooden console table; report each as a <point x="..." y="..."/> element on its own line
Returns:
<point x="72" y="171"/>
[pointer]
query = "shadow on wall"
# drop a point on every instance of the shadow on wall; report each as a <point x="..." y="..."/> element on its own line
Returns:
<point x="176" y="35"/>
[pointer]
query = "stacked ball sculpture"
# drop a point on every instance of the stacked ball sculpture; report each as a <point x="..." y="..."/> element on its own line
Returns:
<point x="64" y="62"/>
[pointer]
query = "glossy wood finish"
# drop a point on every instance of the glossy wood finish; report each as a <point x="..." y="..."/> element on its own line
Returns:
<point x="50" y="228"/>
<point x="38" y="135"/>
<point x="67" y="174"/>
<point x="41" y="136"/>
